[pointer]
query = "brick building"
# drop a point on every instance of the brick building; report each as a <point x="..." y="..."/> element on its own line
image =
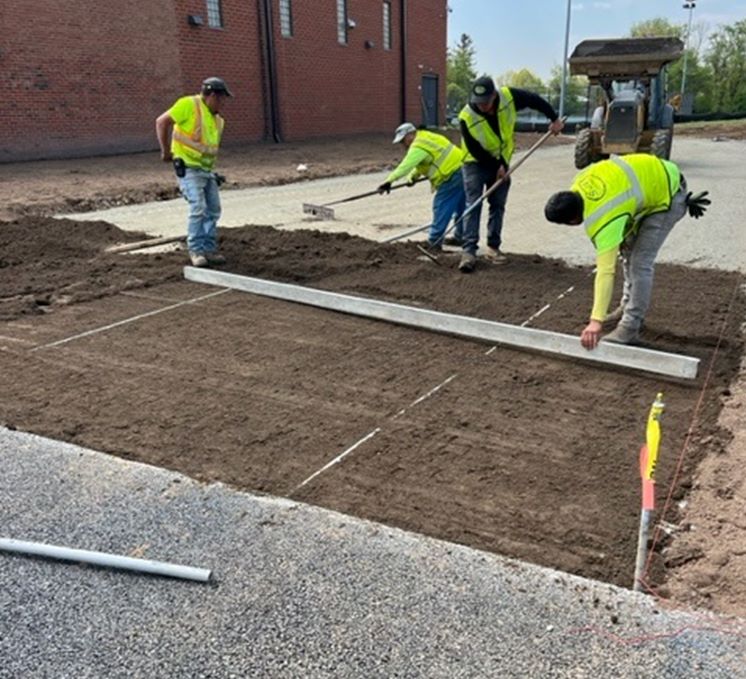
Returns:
<point x="83" y="78"/>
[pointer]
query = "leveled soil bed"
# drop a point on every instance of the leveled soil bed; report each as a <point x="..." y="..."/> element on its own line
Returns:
<point x="517" y="453"/>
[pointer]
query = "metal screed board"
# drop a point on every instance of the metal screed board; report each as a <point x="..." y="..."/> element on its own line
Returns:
<point x="636" y="358"/>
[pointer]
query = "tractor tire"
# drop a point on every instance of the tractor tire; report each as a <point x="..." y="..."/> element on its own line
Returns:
<point x="661" y="144"/>
<point x="584" y="148"/>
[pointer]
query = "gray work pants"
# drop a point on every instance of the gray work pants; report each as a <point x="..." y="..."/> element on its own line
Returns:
<point x="638" y="259"/>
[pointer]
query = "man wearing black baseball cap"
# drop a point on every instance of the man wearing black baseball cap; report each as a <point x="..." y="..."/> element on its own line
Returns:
<point x="487" y="125"/>
<point x="189" y="135"/>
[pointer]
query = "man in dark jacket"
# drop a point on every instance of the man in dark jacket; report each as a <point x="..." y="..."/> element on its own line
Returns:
<point x="487" y="131"/>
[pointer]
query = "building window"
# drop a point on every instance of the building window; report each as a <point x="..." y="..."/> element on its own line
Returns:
<point x="387" y="25"/>
<point x="286" y="19"/>
<point x="214" y="14"/>
<point x="342" y="22"/>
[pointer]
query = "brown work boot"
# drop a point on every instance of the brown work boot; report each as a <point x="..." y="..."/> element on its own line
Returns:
<point x="622" y="334"/>
<point x="467" y="263"/>
<point x="214" y="258"/>
<point x="197" y="259"/>
<point x="452" y="240"/>
<point x="495" y="255"/>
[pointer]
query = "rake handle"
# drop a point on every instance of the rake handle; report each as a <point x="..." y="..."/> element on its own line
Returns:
<point x="498" y="183"/>
<point x="368" y="193"/>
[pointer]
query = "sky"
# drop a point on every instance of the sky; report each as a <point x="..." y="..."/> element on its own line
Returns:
<point x="514" y="34"/>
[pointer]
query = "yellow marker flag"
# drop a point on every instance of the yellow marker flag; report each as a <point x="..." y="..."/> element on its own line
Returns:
<point x="649" y="452"/>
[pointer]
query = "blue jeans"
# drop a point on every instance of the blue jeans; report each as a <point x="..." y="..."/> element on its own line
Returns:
<point x="638" y="259"/>
<point x="449" y="201"/>
<point x="477" y="178"/>
<point x="200" y="189"/>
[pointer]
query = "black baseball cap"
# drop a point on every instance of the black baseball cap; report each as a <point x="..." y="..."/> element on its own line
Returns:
<point x="482" y="90"/>
<point x="215" y="85"/>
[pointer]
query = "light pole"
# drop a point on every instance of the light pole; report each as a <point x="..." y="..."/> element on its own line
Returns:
<point x="690" y="6"/>
<point x="564" y="63"/>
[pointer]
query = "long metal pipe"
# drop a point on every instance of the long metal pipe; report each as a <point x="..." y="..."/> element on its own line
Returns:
<point x="642" y="550"/>
<point x="403" y="41"/>
<point x="690" y="6"/>
<point x="563" y="85"/>
<point x="272" y="106"/>
<point x="103" y="559"/>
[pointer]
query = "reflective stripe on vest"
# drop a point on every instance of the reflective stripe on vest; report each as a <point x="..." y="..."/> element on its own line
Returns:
<point x="499" y="146"/>
<point x="196" y="145"/>
<point x="506" y="115"/>
<point x="604" y="211"/>
<point x="612" y="190"/>
<point x="482" y="133"/>
<point x="443" y="157"/>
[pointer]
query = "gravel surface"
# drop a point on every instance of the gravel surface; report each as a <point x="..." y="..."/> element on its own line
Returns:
<point x="299" y="592"/>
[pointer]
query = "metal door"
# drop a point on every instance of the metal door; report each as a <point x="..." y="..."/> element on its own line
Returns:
<point x="429" y="97"/>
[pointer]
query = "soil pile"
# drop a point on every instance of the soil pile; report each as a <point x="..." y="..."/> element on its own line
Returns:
<point x="46" y="262"/>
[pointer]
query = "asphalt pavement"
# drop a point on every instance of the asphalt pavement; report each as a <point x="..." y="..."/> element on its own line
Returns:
<point x="299" y="591"/>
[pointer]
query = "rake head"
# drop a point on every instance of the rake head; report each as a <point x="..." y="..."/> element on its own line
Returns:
<point x="318" y="211"/>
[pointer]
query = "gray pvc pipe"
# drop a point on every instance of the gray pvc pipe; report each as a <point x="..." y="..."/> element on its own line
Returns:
<point x="642" y="549"/>
<point x="103" y="559"/>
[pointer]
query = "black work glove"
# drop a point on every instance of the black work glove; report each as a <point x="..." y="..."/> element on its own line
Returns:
<point x="697" y="204"/>
<point x="219" y="179"/>
<point x="385" y="188"/>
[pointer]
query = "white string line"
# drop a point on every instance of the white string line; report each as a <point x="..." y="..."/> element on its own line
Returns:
<point x="418" y="400"/>
<point x="339" y="457"/>
<point x="151" y="298"/>
<point x="15" y="339"/>
<point x="131" y="320"/>
<point x="371" y="434"/>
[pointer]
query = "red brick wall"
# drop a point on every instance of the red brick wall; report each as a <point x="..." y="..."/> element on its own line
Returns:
<point x="427" y="38"/>
<point x="327" y="88"/>
<point x="89" y="77"/>
<point x="83" y="77"/>
<point x="232" y="53"/>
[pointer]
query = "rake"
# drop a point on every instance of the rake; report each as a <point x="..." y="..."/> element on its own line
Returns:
<point x="325" y="211"/>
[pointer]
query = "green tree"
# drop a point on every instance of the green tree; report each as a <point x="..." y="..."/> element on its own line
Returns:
<point x="726" y="59"/>
<point x="460" y="72"/>
<point x="698" y="81"/>
<point x="663" y="28"/>
<point x="575" y="91"/>
<point x="524" y="78"/>
<point x="697" y="74"/>
<point x="657" y="28"/>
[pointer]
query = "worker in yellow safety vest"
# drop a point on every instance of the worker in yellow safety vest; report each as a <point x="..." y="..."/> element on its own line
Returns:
<point x="189" y="134"/>
<point x="628" y="206"/>
<point x="487" y="125"/>
<point x="433" y="156"/>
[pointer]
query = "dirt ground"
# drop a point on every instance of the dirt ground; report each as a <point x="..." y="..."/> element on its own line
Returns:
<point x="516" y="453"/>
<point x="63" y="186"/>
<point x="721" y="130"/>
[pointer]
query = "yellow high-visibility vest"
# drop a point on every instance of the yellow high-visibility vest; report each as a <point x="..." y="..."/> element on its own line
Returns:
<point x="443" y="157"/>
<point x="497" y="146"/>
<point x="619" y="192"/>
<point x="196" y="141"/>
